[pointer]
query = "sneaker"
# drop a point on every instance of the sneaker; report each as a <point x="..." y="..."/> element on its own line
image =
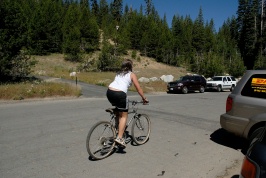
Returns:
<point x="121" y="142"/>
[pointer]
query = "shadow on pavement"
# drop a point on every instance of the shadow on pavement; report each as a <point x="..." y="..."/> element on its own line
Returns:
<point x="227" y="139"/>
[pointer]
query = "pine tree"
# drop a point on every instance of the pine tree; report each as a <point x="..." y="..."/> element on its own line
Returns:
<point x="247" y="26"/>
<point x="14" y="61"/>
<point x="187" y="39"/>
<point x="261" y="61"/>
<point x="103" y="13"/>
<point x="116" y="10"/>
<point x="213" y="65"/>
<point x="210" y="37"/>
<point x="149" y="7"/>
<point x="53" y="26"/>
<point x="95" y="8"/>
<point x="135" y="30"/>
<point x="151" y="39"/>
<point x="177" y="31"/>
<point x="89" y="31"/>
<point x="198" y="33"/>
<point x="163" y="51"/>
<point x="198" y="42"/>
<point x="84" y="3"/>
<point x="72" y="34"/>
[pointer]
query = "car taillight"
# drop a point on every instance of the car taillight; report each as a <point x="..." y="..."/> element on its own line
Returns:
<point x="229" y="103"/>
<point x="248" y="169"/>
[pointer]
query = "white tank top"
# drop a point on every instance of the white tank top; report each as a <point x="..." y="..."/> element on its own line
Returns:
<point x="121" y="82"/>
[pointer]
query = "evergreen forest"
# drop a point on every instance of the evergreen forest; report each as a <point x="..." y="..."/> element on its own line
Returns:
<point x="77" y="28"/>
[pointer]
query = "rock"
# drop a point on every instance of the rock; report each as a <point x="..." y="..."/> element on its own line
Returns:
<point x="167" y="78"/>
<point x="153" y="79"/>
<point x="73" y="74"/>
<point x="144" y="80"/>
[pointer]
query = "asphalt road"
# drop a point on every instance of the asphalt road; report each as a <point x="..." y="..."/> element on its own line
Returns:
<point x="46" y="138"/>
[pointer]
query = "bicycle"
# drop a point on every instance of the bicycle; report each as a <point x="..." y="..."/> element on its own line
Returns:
<point x="100" y="140"/>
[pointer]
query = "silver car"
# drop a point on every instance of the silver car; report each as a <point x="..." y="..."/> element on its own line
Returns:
<point x="246" y="106"/>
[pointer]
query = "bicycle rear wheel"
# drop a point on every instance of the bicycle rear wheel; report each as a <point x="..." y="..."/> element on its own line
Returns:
<point x="141" y="128"/>
<point x="100" y="140"/>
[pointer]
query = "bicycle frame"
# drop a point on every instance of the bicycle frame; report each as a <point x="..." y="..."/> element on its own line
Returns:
<point x="134" y="111"/>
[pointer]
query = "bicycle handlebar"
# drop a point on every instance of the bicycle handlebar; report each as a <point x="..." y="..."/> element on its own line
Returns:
<point x="134" y="102"/>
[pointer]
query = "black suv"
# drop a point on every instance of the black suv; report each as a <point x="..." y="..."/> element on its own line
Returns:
<point x="187" y="83"/>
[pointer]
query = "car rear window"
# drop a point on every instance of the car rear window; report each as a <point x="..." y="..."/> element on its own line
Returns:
<point x="185" y="78"/>
<point x="197" y="79"/>
<point x="255" y="87"/>
<point x="233" y="78"/>
<point x="217" y="78"/>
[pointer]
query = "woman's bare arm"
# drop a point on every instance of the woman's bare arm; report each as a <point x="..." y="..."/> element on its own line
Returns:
<point x="137" y="86"/>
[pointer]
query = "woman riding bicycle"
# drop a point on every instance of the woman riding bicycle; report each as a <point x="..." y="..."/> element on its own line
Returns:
<point x="117" y="96"/>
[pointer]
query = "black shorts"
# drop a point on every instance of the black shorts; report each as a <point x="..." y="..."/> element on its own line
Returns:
<point x="118" y="99"/>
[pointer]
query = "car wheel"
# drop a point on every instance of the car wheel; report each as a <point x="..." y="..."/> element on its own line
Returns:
<point x="255" y="134"/>
<point x="232" y="88"/>
<point x="184" y="90"/>
<point x="219" y="88"/>
<point x="202" y="89"/>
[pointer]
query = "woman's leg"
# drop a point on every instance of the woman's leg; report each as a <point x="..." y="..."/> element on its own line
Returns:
<point x="122" y="123"/>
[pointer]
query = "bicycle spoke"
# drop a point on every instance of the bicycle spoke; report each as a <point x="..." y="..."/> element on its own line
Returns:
<point x="100" y="141"/>
<point x="101" y="146"/>
<point x="141" y="129"/>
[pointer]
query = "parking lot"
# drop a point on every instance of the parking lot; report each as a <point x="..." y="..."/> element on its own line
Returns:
<point x="47" y="139"/>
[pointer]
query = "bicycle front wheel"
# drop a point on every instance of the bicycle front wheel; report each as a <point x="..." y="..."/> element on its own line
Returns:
<point x="141" y="128"/>
<point x="100" y="140"/>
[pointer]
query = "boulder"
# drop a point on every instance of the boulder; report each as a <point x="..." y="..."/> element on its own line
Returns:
<point x="144" y="80"/>
<point x="153" y="79"/>
<point x="73" y="74"/>
<point x="167" y="78"/>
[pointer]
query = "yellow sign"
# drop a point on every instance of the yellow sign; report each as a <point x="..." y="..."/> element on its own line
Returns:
<point x="259" y="81"/>
<point x="258" y="85"/>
